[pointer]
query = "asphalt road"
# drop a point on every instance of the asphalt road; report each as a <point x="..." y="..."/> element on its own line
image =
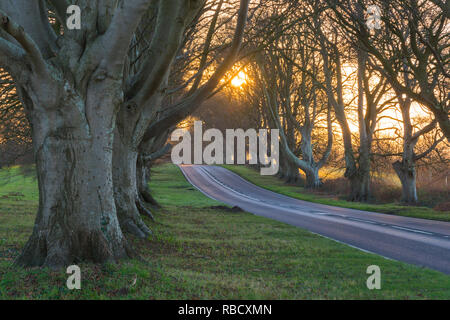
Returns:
<point x="416" y="241"/>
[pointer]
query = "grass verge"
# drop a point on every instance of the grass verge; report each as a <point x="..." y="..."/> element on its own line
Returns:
<point x="202" y="253"/>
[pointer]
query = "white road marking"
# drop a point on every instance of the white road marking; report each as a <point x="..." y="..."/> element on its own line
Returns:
<point x="412" y="230"/>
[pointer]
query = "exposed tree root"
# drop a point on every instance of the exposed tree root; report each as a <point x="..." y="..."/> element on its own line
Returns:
<point x="56" y="250"/>
<point x="136" y="228"/>
<point x="143" y="210"/>
<point x="148" y="198"/>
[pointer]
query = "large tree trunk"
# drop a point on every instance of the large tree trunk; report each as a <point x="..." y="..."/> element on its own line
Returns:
<point x="154" y="149"/>
<point x="143" y="172"/>
<point x="292" y="175"/>
<point x="282" y="171"/>
<point x="360" y="180"/>
<point x="77" y="219"/>
<point x="407" y="175"/>
<point x="128" y="203"/>
<point x="312" y="178"/>
<point x="360" y="186"/>
<point x="288" y="170"/>
<point x="311" y="169"/>
<point x="128" y="181"/>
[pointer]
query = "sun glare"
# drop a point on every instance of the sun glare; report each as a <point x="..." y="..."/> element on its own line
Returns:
<point x="239" y="80"/>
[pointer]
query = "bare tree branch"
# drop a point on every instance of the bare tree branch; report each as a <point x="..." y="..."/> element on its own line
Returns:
<point x="183" y="108"/>
<point x="10" y="54"/>
<point x="27" y="43"/>
<point x="116" y="40"/>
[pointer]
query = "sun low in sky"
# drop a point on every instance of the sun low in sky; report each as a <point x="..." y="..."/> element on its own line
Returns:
<point x="239" y="80"/>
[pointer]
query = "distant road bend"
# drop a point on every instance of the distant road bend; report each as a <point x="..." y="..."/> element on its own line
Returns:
<point x="416" y="241"/>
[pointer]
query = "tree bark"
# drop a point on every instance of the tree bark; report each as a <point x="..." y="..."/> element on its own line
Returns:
<point x="288" y="171"/>
<point x="311" y="169"/>
<point x="291" y="174"/>
<point x="149" y="152"/>
<point x="76" y="219"/>
<point x="143" y="179"/>
<point x="360" y="180"/>
<point x="128" y="203"/>
<point x="407" y="175"/>
<point x="360" y="186"/>
<point x="313" y="180"/>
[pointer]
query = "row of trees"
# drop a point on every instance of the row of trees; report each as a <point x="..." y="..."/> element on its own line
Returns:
<point x="97" y="101"/>
<point x="329" y="67"/>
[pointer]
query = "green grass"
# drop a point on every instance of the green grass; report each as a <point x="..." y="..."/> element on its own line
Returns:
<point x="274" y="184"/>
<point x="202" y="253"/>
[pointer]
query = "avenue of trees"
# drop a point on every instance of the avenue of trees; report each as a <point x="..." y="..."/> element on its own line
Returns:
<point x="329" y="72"/>
<point x="96" y="106"/>
<point x="91" y="96"/>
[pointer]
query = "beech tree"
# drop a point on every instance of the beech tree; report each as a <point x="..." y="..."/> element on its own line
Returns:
<point x="411" y="51"/>
<point x="144" y="120"/>
<point x="412" y="132"/>
<point x="370" y="99"/>
<point x="414" y="33"/>
<point x="406" y="167"/>
<point x="289" y="87"/>
<point x="74" y="86"/>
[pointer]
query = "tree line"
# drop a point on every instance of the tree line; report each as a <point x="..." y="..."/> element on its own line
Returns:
<point x="329" y="70"/>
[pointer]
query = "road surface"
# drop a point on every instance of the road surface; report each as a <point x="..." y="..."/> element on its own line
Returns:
<point x="416" y="241"/>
